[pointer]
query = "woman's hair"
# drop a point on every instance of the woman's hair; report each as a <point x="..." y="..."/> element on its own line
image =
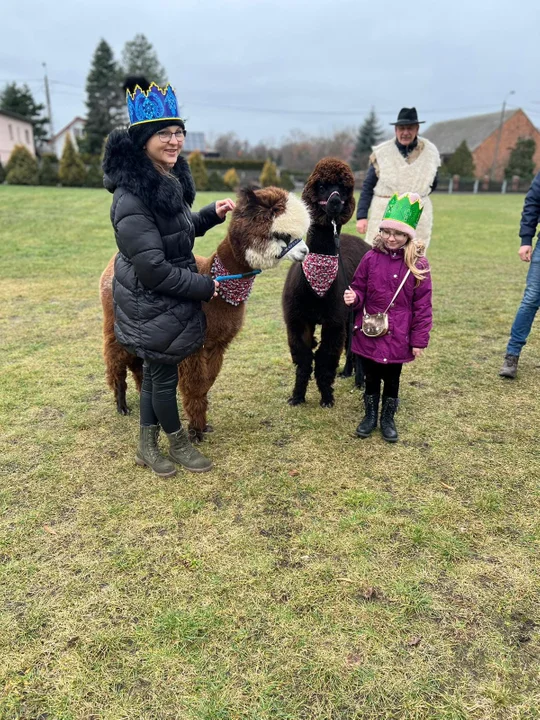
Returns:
<point x="413" y="250"/>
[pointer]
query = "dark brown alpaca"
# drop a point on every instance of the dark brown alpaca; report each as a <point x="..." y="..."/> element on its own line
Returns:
<point x="262" y="226"/>
<point x="330" y="267"/>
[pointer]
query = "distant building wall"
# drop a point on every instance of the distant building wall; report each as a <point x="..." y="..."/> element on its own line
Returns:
<point x="515" y="127"/>
<point x="14" y="131"/>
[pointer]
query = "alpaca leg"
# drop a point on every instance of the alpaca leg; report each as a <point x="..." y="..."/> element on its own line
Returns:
<point x="116" y="362"/>
<point x="193" y="384"/>
<point x="135" y="364"/>
<point x="301" y="343"/>
<point x="350" y="364"/>
<point x="327" y="361"/>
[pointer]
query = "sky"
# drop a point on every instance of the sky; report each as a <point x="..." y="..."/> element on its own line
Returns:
<point x="265" y="68"/>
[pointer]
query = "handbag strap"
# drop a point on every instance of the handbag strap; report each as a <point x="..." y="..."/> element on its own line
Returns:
<point x="398" y="290"/>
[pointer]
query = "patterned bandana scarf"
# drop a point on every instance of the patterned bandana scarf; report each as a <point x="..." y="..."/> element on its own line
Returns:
<point x="233" y="292"/>
<point x="320" y="271"/>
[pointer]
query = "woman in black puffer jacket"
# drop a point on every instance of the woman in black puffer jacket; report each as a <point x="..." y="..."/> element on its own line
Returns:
<point x="157" y="291"/>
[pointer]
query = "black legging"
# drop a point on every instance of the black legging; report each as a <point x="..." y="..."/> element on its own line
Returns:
<point x="158" y="396"/>
<point x="375" y="372"/>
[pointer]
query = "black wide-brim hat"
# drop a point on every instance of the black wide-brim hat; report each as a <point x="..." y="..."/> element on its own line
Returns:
<point x="408" y="116"/>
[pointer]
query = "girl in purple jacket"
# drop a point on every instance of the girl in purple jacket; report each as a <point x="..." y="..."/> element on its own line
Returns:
<point x="394" y="256"/>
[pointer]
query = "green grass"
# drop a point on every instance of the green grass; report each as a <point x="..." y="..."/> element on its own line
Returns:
<point x="311" y="575"/>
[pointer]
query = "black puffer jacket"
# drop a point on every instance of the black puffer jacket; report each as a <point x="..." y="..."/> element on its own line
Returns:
<point x="156" y="289"/>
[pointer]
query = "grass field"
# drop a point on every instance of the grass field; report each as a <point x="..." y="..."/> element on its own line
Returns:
<point x="311" y="575"/>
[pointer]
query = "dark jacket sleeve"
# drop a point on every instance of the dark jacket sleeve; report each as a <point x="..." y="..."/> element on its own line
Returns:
<point x="359" y="282"/>
<point x="366" y="195"/>
<point x="422" y="315"/>
<point x="138" y="238"/>
<point x="435" y="182"/>
<point x="530" y="217"/>
<point x="205" y="219"/>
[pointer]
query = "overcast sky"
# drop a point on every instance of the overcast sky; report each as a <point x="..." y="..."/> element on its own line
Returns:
<point x="262" y="68"/>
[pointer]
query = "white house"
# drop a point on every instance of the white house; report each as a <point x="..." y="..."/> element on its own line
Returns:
<point x="14" y="130"/>
<point x="55" y="144"/>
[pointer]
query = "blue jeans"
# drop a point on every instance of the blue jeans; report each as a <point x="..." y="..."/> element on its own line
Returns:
<point x="528" y="308"/>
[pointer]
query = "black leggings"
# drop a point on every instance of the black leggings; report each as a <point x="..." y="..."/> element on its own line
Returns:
<point x="158" y="396"/>
<point x="375" y="372"/>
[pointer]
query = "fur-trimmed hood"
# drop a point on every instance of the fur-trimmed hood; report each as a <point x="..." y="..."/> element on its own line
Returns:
<point x="128" y="167"/>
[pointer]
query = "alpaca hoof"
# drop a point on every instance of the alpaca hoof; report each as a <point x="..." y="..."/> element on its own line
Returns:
<point x="296" y="401"/>
<point x="345" y="374"/>
<point x="196" y="436"/>
<point x="123" y="409"/>
<point x="208" y="428"/>
<point x="327" y="403"/>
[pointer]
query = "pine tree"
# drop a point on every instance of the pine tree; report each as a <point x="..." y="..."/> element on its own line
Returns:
<point x="48" y="171"/>
<point x="231" y="179"/>
<point x="521" y="162"/>
<point x="22" y="167"/>
<point x="370" y="134"/>
<point x="461" y="162"/>
<point x="20" y="100"/>
<point x="140" y="58"/>
<point x="269" y="175"/>
<point x="198" y="170"/>
<point x="104" y="99"/>
<point x="286" y="181"/>
<point x="71" y="172"/>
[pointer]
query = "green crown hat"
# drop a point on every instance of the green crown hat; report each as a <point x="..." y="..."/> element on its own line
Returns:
<point x="403" y="213"/>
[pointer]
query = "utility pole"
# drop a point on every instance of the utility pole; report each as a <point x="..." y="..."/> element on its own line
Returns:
<point x="497" y="142"/>
<point x="48" y="97"/>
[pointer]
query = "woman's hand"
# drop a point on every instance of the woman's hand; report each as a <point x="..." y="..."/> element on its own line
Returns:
<point x="216" y="285"/>
<point x="349" y="296"/>
<point x="418" y="352"/>
<point x="361" y="226"/>
<point x="224" y="206"/>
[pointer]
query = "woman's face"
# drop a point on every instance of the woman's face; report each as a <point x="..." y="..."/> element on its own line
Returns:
<point x="165" y="146"/>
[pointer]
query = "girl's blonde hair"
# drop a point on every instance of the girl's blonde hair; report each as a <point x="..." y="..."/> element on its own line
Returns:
<point x="413" y="250"/>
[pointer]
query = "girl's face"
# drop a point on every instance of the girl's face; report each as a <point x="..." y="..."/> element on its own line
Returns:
<point x="394" y="240"/>
<point x="165" y="146"/>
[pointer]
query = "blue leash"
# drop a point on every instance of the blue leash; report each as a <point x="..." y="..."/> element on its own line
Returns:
<point x="224" y="278"/>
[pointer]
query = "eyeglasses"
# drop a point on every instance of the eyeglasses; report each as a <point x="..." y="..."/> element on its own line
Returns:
<point x="399" y="236"/>
<point x="166" y="135"/>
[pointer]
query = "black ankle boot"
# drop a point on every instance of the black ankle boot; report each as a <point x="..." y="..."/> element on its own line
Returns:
<point x="388" y="427"/>
<point x="369" y="422"/>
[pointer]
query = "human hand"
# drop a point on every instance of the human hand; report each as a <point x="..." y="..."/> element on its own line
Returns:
<point x="224" y="206"/>
<point x="216" y="285"/>
<point x="361" y="226"/>
<point x="418" y="352"/>
<point x="525" y="253"/>
<point x="349" y="296"/>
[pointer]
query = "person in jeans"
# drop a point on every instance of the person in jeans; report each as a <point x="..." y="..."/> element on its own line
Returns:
<point x="526" y="313"/>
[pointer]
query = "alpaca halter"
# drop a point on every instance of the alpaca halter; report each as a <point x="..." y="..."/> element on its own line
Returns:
<point x="237" y="288"/>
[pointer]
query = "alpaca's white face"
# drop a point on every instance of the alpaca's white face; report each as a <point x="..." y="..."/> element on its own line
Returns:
<point x="286" y="228"/>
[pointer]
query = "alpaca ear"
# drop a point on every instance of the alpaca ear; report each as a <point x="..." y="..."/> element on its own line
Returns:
<point x="249" y="195"/>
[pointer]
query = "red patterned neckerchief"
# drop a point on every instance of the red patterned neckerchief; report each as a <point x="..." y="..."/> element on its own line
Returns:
<point x="233" y="292"/>
<point x="320" y="271"/>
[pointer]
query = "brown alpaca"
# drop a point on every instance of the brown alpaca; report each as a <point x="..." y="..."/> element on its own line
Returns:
<point x="262" y="226"/>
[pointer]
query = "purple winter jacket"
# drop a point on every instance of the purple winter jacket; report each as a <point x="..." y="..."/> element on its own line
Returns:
<point x="409" y="319"/>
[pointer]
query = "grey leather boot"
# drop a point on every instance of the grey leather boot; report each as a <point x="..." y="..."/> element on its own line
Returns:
<point x="509" y="368"/>
<point x="148" y="454"/>
<point x="182" y="452"/>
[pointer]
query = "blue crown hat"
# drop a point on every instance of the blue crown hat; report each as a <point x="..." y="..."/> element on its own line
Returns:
<point x="152" y="105"/>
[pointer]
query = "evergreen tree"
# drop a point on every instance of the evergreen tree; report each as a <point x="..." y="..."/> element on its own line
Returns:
<point x="216" y="182"/>
<point x="521" y="162"/>
<point x="104" y="99"/>
<point x="94" y="172"/>
<point x="461" y="162"/>
<point x="140" y="58"/>
<point x="72" y="172"/>
<point x="370" y="134"/>
<point x="286" y="181"/>
<point x="269" y="175"/>
<point x="231" y="179"/>
<point x="198" y="170"/>
<point x="20" y="100"/>
<point x="2" y="173"/>
<point x="22" y="167"/>
<point x="48" y="172"/>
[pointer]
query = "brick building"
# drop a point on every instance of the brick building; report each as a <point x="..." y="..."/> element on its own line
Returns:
<point x="481" y="132"/>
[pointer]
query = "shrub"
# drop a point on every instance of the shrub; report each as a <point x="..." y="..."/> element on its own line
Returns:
<point x="2" y="173"/>
<point x="94" y="172"/>
<point x="286" y="181"/>
<point x="72" y="172"/>
<point x="198" y="170"/>
<point x="269" y="175"/>
<point x="231" y="179"/>
<point x="48" y="171"/>
<point x="216" y="182"/>
<point x="22" y="167"/>
<point x="238" y="163"/>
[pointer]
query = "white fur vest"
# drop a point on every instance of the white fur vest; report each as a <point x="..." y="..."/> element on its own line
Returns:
<point x="396" y="175"/>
